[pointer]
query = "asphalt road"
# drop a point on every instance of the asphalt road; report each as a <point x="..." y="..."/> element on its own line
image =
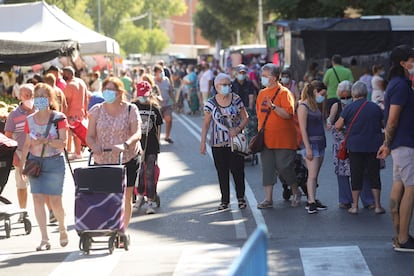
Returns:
<point x="188" y="236"/>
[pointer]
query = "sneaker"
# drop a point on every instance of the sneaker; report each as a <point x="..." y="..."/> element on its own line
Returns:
<point x="265" y="204"/>
<point x="139" y="201"/>
<point x="312" y="209"/>
<point x="408" y="246"/>
<point x="319" y="206"/>
<point x="52" y="218"/>
<point x="150" y="208"/>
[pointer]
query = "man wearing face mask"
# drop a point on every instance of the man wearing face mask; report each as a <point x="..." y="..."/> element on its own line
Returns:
<point x="243" y="87"/>
<point x="277" y="103"/>
<point x="167" y="100"/>
<point x="77" y="99"/>
<point x="14" y="129"/>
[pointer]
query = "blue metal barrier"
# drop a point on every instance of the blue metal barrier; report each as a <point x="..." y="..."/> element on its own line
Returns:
<point x="253" y="255"/>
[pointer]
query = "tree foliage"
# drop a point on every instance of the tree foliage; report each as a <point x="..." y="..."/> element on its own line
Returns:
<point x="220" y="20"/>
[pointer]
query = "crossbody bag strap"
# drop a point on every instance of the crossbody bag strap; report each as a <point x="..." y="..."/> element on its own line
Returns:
<point x="49" y="125"/>
<point x="336" y="74"/>
<point x="268" y="113"/>
<point x="353" y="120"/>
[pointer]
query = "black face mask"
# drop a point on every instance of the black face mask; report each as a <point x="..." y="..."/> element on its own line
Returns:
<point x="65" y="77"/>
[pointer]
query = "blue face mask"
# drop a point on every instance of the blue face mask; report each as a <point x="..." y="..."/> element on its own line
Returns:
<point x="41" y="103"/>
<point x="162" y="75"/>
<point x="241" y="77"/>
<point x="265" y="81"/>
<point x="142" y="99"/>
<point x="225" y="89"/>
<point x="346" y="101"/>
<point x="320" y="98"/>
<point x="109" y="95"/>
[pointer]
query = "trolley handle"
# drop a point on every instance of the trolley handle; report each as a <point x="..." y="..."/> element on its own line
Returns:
<point x="105" y="150"/>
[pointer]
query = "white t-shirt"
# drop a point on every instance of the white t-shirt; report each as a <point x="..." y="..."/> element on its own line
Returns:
<point x="205" y="78"/>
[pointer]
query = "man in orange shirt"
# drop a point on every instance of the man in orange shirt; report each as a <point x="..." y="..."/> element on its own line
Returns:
<point x="279" y="153"/>
<point x="76" y="94"/>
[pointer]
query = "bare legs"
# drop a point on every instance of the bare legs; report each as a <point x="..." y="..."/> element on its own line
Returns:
<point x="313" y="166"/>
<point x="128" y="205"/>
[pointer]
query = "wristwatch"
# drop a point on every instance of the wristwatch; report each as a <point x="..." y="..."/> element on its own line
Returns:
<point x="273" y="107"/>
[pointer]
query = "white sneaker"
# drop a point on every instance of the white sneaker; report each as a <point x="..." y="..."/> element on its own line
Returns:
<point x="150" y="208"/>
<point x="139" y="201"/>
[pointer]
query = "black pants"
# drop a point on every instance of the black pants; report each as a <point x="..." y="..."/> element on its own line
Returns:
<point x="225" y="162"/>
<point x="361" y="161"/>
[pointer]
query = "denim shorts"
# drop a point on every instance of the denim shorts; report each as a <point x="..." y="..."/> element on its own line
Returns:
<point x="316" y="152"/>
<point x="51" y="178"/>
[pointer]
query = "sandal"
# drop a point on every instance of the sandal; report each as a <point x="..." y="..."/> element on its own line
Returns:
<point x="44" y="245"/>
<point x="63" y="238"/>
<point x="223" y="206"/>
<point x="242" y="203"/>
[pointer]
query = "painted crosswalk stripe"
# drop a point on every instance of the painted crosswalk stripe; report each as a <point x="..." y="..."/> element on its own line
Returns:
<point x="334" y="261"/>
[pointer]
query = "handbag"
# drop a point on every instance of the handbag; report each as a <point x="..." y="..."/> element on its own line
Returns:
<point x="343" y="151"/>
<point x="33" y="167"/>
<point x="257" y="142"/>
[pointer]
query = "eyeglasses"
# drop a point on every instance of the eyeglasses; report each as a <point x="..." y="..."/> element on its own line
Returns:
<point x="346" y="98"/>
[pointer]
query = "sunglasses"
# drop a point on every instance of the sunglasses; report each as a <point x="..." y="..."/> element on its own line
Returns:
<point x="346" y="98"/>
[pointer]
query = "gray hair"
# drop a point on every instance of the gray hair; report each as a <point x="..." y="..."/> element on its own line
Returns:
<point x="343" y="86"/>
<point x="359" y="90"/>
<point x="219" y="78"/>
<point x="27" y="86"/>
<point x="272" y="69"/>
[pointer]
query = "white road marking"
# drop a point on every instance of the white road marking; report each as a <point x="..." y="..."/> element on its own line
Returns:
<point x="3" y="256"/>
<point x="334" y="261"/>
<point x="251" y="199"/>
<point x="94" y="264"/>
<point x="208" y="260"/>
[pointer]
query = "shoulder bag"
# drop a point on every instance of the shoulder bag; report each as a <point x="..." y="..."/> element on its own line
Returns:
<point x="33" y="167"/>
<point x="257" y="143"/>
<point x="343" y="151"/>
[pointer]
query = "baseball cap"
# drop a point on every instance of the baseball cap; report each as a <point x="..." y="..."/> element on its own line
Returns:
<point x="401" y="53"/>
<point x="241" y="68"/>
<point x="143" y="89"/>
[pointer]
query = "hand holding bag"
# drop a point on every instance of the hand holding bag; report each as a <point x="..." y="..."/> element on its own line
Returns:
<point x="257" y="143"/>
<point x="343" y="151"/>
<point x="33" y="167"/>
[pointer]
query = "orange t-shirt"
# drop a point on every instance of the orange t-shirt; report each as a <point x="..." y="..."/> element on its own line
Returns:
<point x="279" y="133"/>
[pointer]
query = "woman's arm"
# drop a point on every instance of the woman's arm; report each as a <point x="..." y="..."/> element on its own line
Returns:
<point x="332" y="114"/>
<point x="25" y="150"/>
<point x="91" y="136"/>
<point x="206" y="126"/>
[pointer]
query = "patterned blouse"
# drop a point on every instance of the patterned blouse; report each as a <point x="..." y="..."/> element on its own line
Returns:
<point x="229" y="117"/>
<point x="112" y="130"/>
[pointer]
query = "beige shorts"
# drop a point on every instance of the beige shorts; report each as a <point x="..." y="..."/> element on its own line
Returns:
<point x="20" y="183"/>
<point x="403" y="165"/>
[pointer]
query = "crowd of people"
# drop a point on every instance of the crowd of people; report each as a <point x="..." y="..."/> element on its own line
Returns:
<point x="370" y="116"/>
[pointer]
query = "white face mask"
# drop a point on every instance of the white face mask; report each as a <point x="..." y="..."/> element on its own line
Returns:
<point x="411" y="71"/>
<point x="29" y="103"/>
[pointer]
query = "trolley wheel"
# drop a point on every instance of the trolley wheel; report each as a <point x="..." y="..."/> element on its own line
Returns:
<point x="86" y="244"/>
<point x="27" y="226"/>
<point x="111" y="244"/>
<point x="158" y="201"/>
<point x="7" y="227"/>
<point x="127" y="242"/>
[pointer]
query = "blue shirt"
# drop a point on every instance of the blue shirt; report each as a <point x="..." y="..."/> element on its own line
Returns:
<point x="365" y="134"/>
<point x="399" y="92"/>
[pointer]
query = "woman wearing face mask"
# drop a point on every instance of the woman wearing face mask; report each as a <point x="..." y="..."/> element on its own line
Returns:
<point x="287" y="81"/>
<point x="342" y="169"/>
<point x="14" y="130"/>
<point x="314" y="141"/>
<point x="47" y="148"/>
<point x="149" y="110"/>
<point x="277" y="103"/>
<point x="363" y="141"/>
<point x="228" y="116"/>
<point x="115" y="124"/>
